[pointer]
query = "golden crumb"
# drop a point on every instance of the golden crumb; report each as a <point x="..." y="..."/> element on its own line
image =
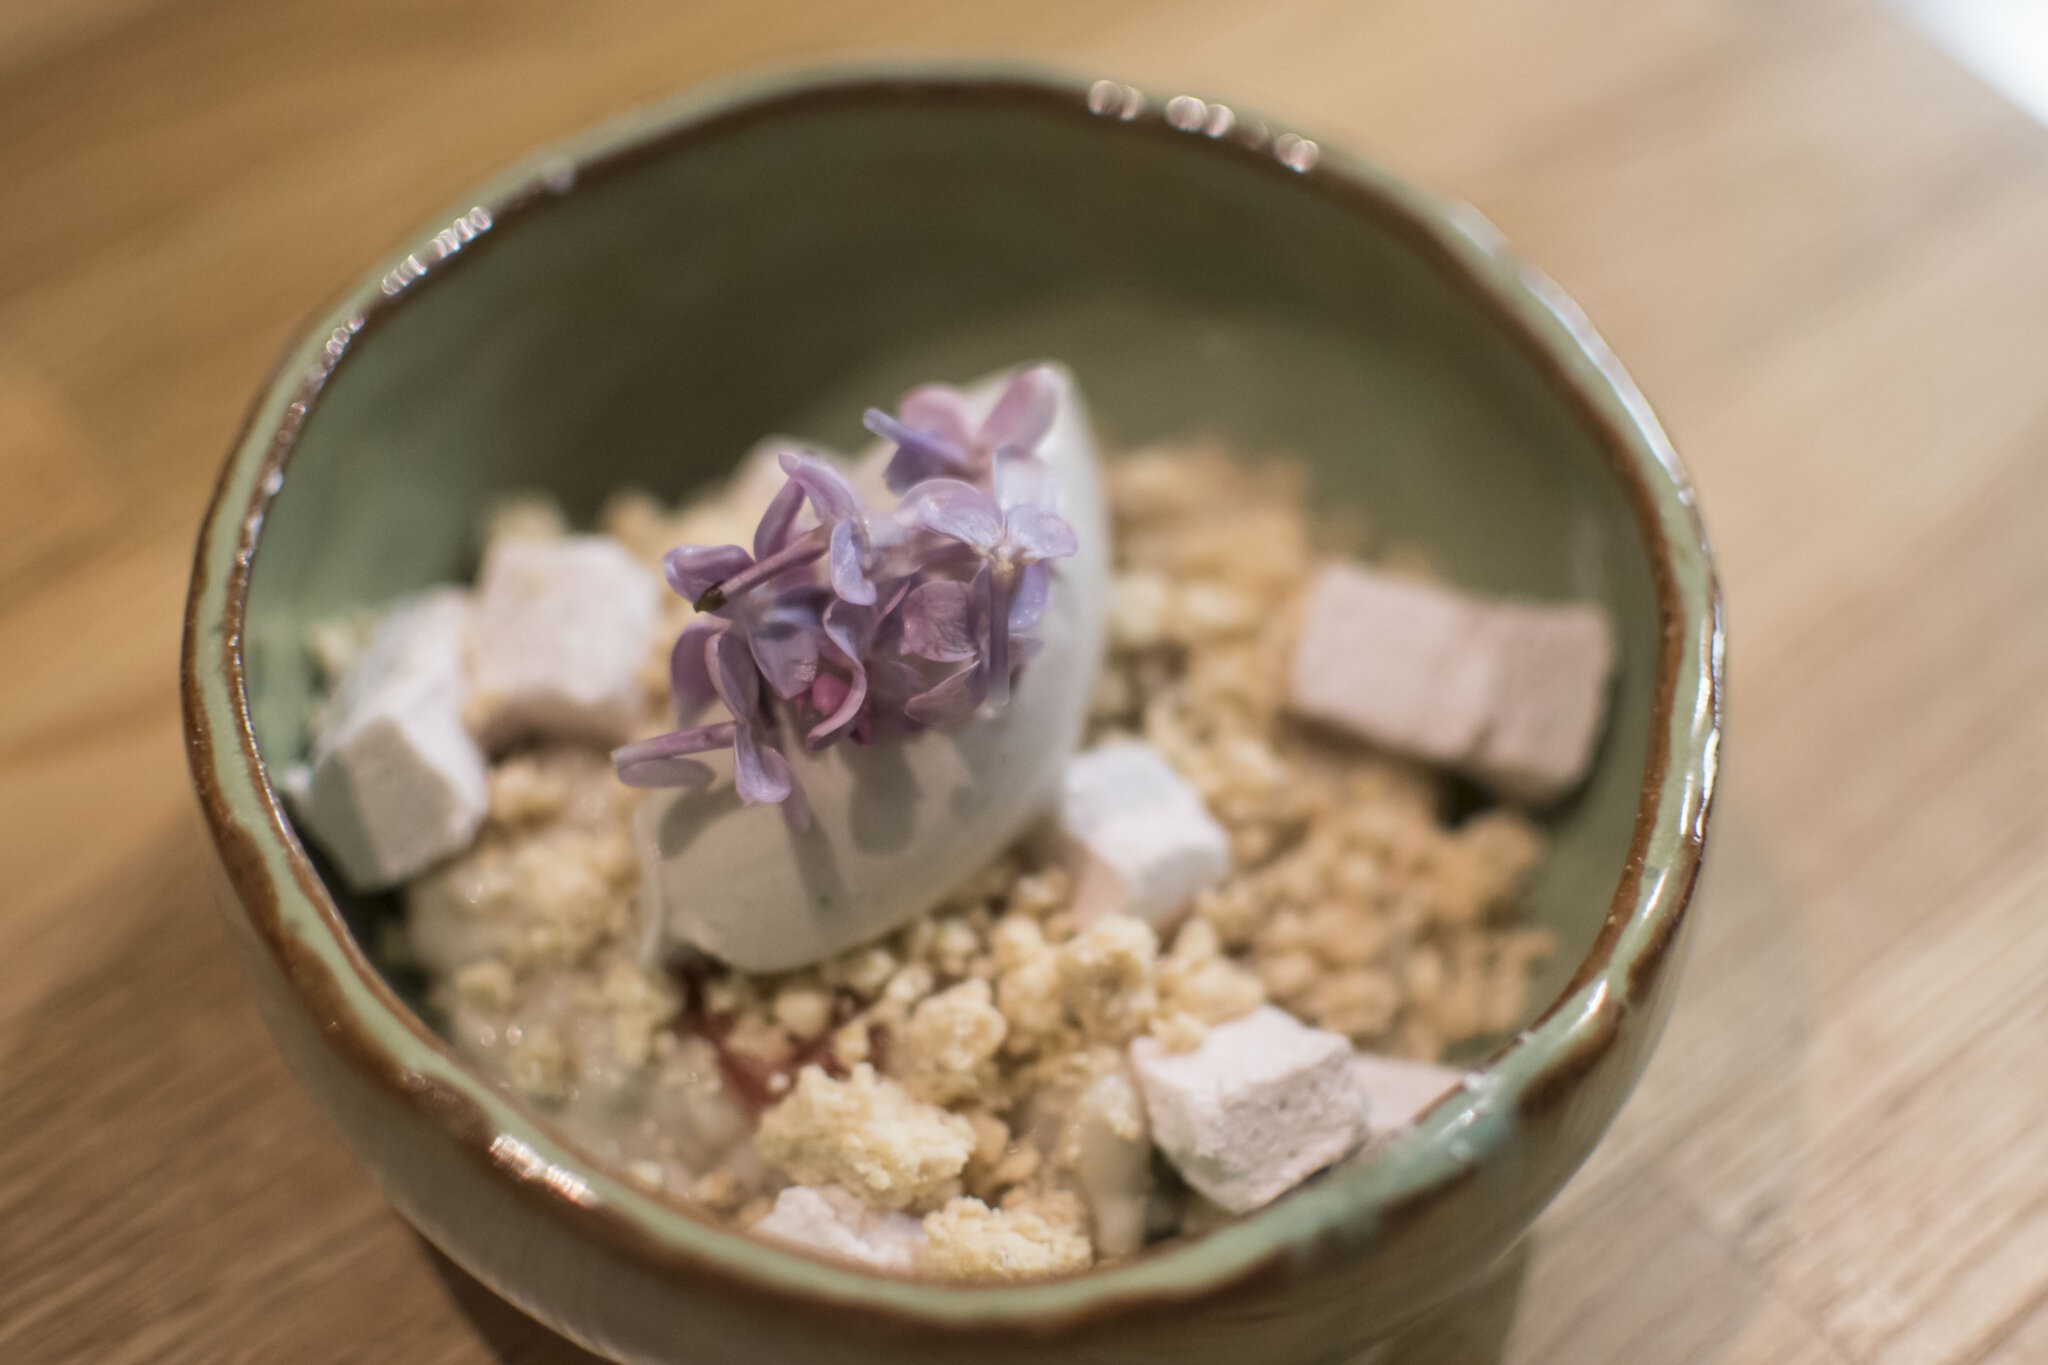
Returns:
<point x="1197" y="981"/>
<point x="1027" y="985"/>
<point x="487" y="985"/>
<point x="863" y="971"/>
<point x="1179" y="1031"/>
<point x="540" y="1064"/>
<point x="867" y="1134"/>
<point x="526" y="788"/>
<point x="803" y="1008"/>
<point x="1105" y="975"/>
<point x="968" y="1240"/>
<point x="637" y="521"/>
<point x="551" y="898"/>
<point x="720" y="1191"/>
<point x="642" y="1005"/>
<point x="946" y="1051"/>
<point x="527" y="517"/>
<point x="757" y="1038"/>
<point x="1138" y="607"/>
<point x="853" y="1043"/>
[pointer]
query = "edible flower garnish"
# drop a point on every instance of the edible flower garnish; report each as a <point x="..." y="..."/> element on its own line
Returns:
<point x="865" y="622"/>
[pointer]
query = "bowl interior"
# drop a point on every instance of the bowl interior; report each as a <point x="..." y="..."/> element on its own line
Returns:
<point x="783" y="270"/>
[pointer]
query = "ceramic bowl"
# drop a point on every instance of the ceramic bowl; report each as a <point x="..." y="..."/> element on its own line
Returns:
<point x="636" y="305"/>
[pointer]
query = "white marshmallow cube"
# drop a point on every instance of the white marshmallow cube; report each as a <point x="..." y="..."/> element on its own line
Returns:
<point x="1264" y="1103"/>
<point x="828" y="1219"/>
<point x="1552" y="663"/>
<point x="396" y="782"/>
<point x="563" y="626"/>
<point x="1397" y="1090"/>
<point x="1136" y="835"/>
<point x="1513" y="693"/>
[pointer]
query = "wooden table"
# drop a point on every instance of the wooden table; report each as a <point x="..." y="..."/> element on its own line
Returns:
<point x="1823" y="249"/>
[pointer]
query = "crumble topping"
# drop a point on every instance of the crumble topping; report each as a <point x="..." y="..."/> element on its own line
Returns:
<point x="1025" y="1238"/>
<point x="867" y="1134"/>
<point x="945" y="1071"/>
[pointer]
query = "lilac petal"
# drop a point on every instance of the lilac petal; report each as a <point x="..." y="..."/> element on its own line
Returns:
<point x="1034" y="590"/>
<point x="687" y="773"/>
<point x="1023" y="415"/>
<point x="958" y="510"/>
<point x="849" y="578"/>
<point x="851" y="631"/>
<point x="892" y="682"/>
<point x="941" y="623"/>
<point x="786" y="652"/>
<point x="759" y="771"/>
<point x="844" y="699"/>
<point x="957" y="696"/>
<point x="663" y="761"/>
<point x="1034" y="533"/>
<point x="920" y="455"/>
<point x="942" y="410"/>
<point x="783" y="635"/>
<point x="693" y="570"/>
<point x="832" y="496"/>
<point x="689" y="669"/>
<point x="851" y="628"/>
<point x="828" y="693"/>
<point x="773" y="531"/>
<point x="733" y="676"/>
<point x="889" y="596"/>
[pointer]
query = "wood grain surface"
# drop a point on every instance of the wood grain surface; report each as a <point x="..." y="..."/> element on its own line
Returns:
<point x="1822" y="248"/>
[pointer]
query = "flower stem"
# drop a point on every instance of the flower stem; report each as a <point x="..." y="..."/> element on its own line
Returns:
<point x="1002" y="591"/>
<point x="805" y="549"/>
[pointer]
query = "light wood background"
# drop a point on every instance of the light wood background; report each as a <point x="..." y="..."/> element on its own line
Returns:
<point x="1823" y="250"/>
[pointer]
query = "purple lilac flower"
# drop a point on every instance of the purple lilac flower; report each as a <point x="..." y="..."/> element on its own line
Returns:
<point x="866" y="624"/>
<point x="1014" y="536"/>
<point x="936" y="436"/>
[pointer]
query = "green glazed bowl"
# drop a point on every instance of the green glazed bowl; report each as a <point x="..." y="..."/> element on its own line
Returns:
<point x="635" y="306"/>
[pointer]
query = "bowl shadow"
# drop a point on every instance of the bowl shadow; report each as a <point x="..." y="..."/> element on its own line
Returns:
<point x="1471" y="1329"/>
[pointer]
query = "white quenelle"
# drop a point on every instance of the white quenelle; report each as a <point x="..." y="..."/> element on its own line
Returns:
<point x="396" y="783"/>
<point x="563" y="627"/>
<point x="1512" y="692"/>
<point x="828" y="1219"/>
<point x="1135" y="834"/>
<point x="899" y="825"/>
<point x="1264" y="1103"/>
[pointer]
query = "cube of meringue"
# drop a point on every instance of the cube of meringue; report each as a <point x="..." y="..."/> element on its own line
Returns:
<point x="1137" y="836"/>
<point x="828" y="1219"/>
<point x="1264" y="1103"/>
<point x="563" y="627"/>
<point x="396" y="783"/>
